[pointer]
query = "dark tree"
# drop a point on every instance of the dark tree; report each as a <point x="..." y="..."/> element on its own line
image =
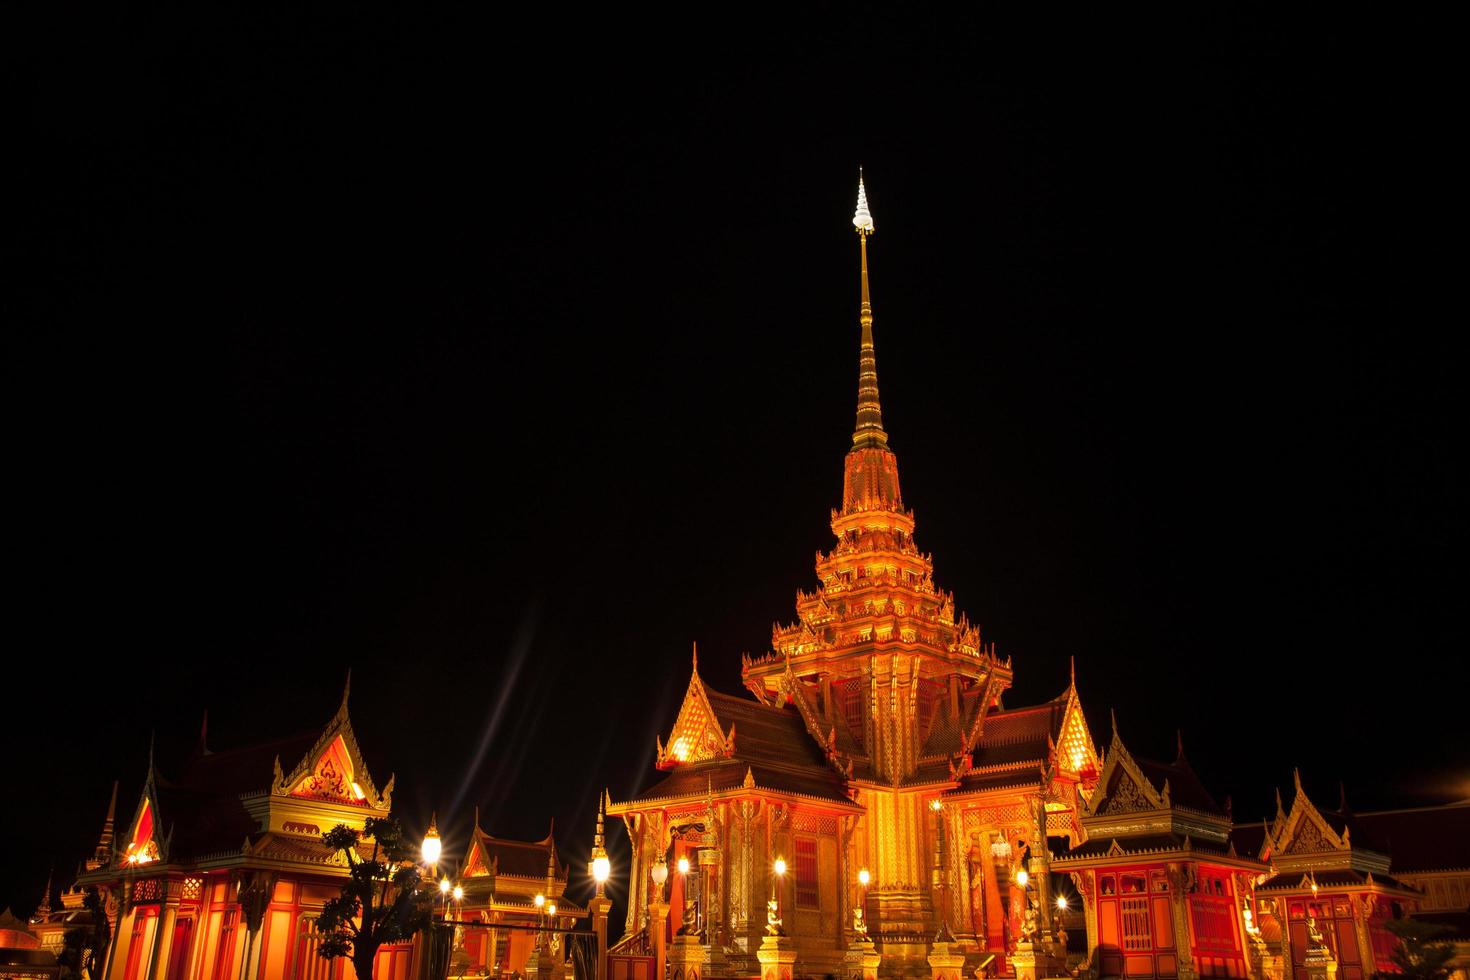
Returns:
<point x="381" y="902"/>
<point x="85" y="947"/>
<point x="1422" y="952"/>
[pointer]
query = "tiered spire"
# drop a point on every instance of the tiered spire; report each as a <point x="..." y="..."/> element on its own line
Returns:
<point x="869" y="433"/>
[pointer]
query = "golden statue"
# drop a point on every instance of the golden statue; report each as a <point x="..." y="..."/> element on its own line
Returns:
<point x="859" y="925"/>
<point x="773" y="920"/>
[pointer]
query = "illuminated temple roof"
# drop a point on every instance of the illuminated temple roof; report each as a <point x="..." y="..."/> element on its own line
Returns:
<point x="241" y="806"/>
<point x="722" y="742"/>
<point x="822" y="723"/>
<point x="523" y="859"/>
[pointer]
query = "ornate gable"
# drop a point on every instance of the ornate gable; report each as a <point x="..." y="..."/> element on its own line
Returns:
<point x="1304" y="830"/>
<point x="696" y="735"/>
<point x="1075" y="752"/>
<point x="1122" y="787"/>
<point x="333" y="769"/>
<point x="146" y="843"/>
<point x="478" y="863"/>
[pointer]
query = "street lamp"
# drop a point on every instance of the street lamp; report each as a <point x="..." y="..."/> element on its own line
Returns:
<point x="432" y="846"/>
<point x="660" y="875"/>
<point x="1061" y="903"/>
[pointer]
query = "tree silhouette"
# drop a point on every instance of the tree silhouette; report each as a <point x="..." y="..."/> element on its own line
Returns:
<point x="83" y="948"/>
<point x="381" y="901"/>
<point x="1421" y="952"/>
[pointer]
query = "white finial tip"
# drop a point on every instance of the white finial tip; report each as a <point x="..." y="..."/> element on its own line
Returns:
<point x="861" y="219"/>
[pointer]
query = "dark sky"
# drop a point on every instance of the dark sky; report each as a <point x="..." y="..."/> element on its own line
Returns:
<point x="499" y="359"/>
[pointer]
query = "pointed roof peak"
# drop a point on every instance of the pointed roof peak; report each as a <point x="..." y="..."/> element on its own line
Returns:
<point x="45" y="905"/>
<point x="346" y="693"/>
<point x="862" y="219"/>
<point x="694" y="657"/>
<point x="869" y="432"/>
<point x="1179" y="746"/>
<point x="202" y="746"/>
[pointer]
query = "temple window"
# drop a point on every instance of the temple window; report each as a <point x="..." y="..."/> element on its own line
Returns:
<point x="1136" y="933"/>
<point x="807" y="895"/>
<point x="1132" y="884"/>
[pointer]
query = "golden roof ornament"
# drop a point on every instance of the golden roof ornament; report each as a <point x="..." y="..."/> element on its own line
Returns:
<point x="869" y="432"/>
<point x="861" y="219"/>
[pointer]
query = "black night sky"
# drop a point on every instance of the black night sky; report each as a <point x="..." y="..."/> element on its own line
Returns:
<point x="499" y="359"/>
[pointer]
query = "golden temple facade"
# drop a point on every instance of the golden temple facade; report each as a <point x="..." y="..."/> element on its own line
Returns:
<point x="876" y="744"/>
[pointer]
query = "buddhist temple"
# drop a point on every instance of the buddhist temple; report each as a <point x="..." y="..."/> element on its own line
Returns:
<point x="221" y="871"/>
<point x="873" y="754"/>
<point x="868" y="805"/>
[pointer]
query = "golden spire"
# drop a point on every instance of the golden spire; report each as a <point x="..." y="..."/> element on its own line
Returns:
<point x="869" y="433"/>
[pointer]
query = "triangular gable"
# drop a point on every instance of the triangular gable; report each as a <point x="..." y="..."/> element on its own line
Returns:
<point x="333" y="769"/>
<point x="1306" y="831"/>
<point x="146" y="843"/>
<point x="1122" y="787"/>
<point x="696" y="734"/>
<point x="142" y="845"/>
<point x="1075" y="752"/>
<point x="476" y="865"/>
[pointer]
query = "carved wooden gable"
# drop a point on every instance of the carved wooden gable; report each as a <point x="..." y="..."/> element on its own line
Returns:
<point x="332" y="777"/>
<point x="696" y="735"/>
<point x="476" y="865"/>
<point x="1075" y="751"/>
<point x="1307" y="831"/>
<point x="142" y="842"/>
<point x="333" y="770"/>
<point x="1122" y="787"/>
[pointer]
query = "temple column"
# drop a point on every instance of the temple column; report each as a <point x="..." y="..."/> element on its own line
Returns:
<point x="1086" y="884"/>
<point x="1362" y="912"/>
<point x="658" y="929"/>
<point x="688" y="958"/>
<point x="164" y="940"/>
<point x="1181" y="879"/>
<point x="122" y="942"/>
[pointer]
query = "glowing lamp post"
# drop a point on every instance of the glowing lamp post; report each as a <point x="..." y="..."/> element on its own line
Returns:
<point x="601" y="869"/>
<point x="432" y="846"/>
<point x="658" y="912"/>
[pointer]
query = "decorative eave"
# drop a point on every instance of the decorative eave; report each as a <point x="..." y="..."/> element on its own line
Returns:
<point x="797" y="692"/>
<point x="749" y="789"/>
<point x="1185" y="850"/>
<point x="977" y="727"/>
<point x="1289" y="883"/>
